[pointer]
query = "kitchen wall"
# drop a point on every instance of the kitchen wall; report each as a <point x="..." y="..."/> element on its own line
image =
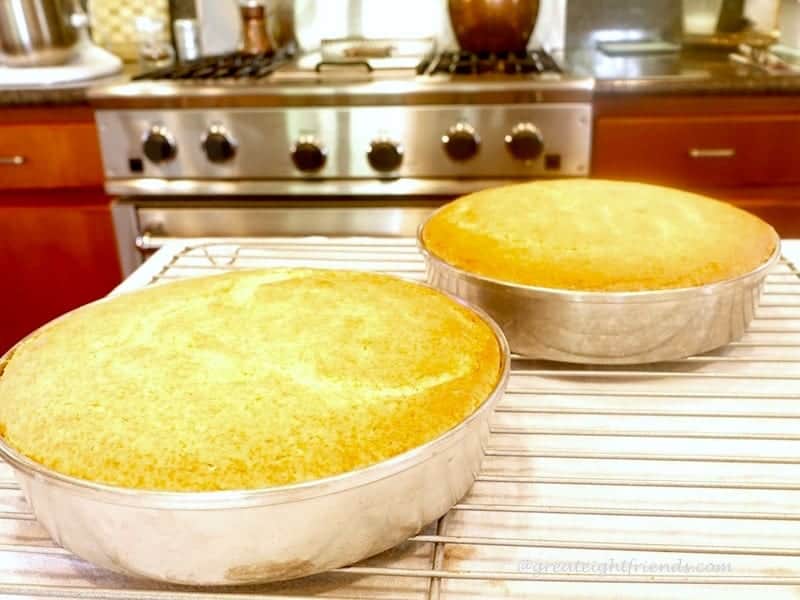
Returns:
<point x="551" y="27"/>
<point x="587" y="21"/>
<point x="220" y="28"/>
<point x="790" y="23"/>
<point x="317" y="19"/>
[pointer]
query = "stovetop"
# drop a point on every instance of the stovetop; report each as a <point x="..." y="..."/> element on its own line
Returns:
<point x="319" y="79"/>
<point x="251" y="68"/>
<point x="232" y="66"/>
<point x="533" y="62"/>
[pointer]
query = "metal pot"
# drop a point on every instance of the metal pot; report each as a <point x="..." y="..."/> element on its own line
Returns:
<point x="37" y="33"/>
<point x="493" y="25"/>
<point x="609" y="328"/>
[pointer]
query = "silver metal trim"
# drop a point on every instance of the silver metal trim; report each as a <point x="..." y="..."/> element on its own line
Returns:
<point x="197" y="188"/>
<point x="265" y="137"/>
<point x="374" y="91"/>
<point x="126" y="230"/>
<point x="712" y="152"/>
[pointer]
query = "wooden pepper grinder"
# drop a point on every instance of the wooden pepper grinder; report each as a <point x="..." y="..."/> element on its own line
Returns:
<point x="255" y="35"/>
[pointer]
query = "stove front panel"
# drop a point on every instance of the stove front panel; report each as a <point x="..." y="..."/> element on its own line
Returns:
<point x="263" y="140"/>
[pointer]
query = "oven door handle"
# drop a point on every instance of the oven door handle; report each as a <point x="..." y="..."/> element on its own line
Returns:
<point x="149" y="242"/>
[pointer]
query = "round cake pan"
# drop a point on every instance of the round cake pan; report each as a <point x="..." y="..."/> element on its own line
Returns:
<point x="269" y="534"/>
<point x="614" y="328"/>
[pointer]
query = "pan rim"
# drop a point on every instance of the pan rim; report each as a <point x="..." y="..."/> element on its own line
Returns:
<point x="247" y="498"/>
<point x="603" y="297"/>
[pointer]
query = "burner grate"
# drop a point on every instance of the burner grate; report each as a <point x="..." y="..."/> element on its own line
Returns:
<point x="231" y="66"/>
<point x="535" y="62"/>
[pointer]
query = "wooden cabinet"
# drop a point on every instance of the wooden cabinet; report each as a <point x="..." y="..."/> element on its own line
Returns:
<point x="742" y="150"/>
<point x="49" y="148"/>
<point x="41" y="155"/>
<point x="730" y="151"/>
<point x="57" y="247"/>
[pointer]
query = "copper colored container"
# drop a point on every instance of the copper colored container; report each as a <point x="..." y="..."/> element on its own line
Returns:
<point x="255" y="36"/>
<point x="493" y="25"/>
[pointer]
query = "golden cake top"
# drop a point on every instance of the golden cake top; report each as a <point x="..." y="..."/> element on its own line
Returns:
<point x="246" y="380"/>
<point x="595" y="235"/>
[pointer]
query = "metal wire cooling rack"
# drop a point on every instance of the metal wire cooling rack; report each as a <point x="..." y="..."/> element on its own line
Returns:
<point x="674" y="480"/>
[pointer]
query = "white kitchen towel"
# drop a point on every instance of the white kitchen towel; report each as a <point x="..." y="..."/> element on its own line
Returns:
<point x="89" y="63"/>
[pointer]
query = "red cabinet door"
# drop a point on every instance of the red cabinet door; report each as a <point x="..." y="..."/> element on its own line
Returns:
<point x="699" y="151"/>
<point x="57" y="252"/>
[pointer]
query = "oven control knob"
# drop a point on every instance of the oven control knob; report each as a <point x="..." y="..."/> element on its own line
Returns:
<point x="218" y="145"/>
<point x="461" y="142"/>
<point x="385" y="155"/>
<point x="308" y="154"/>
<point x="525" y="142"/>
<point x="159" y="146"/>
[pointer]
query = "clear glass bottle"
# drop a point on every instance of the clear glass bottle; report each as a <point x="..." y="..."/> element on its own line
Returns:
<point x="187" y="39"/>
<point x="155" y="49"/>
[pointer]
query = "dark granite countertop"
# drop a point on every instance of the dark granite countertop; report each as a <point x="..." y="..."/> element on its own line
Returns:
<point x="62" y="94"/>
<point x="678" y="73"/>
<point x="44" y="96"/>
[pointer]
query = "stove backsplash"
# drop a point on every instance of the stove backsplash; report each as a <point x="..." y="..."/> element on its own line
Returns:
<point x="318" y="19"/>
<point x="562" y="23"/>
<point x="592" y="21"/>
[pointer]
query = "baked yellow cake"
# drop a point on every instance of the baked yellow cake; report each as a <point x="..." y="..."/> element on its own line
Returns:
<point x="246" y="380"/>
<point x="595" y="235"/>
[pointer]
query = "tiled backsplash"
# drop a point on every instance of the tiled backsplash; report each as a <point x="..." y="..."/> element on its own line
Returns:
<point x="113" y="23"/>
<point x="589" y="21"/>
<point x="316" y="19"/>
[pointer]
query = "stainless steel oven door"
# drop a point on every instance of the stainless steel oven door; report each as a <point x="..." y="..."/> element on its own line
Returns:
<point x="145" y="225"/>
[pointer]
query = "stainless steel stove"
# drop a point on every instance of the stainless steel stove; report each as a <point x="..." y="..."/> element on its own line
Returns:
<point x="453" y="62"/>
<point x="363" y="126"/>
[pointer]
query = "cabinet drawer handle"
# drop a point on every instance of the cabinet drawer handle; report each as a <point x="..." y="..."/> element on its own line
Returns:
<point x="15" y="161"/>
<point x="712" y="152"/>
